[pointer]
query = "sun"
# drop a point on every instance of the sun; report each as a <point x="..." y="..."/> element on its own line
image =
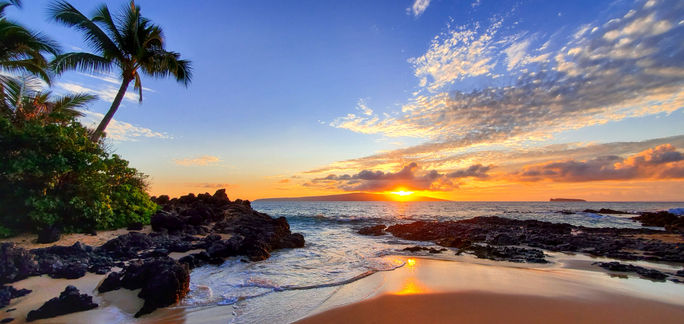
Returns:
<point x="402" y="193"/>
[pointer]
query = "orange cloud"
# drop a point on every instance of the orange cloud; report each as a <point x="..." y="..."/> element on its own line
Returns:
<point x="660" y="162"/>
<point x="410" y="177"/>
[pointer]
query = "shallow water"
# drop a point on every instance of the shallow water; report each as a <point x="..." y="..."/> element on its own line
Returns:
<point x="335" y="255"/>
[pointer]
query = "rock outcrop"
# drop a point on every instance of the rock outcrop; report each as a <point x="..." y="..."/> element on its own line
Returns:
<point x="163" y="282"/>
<point x="622" y="243"/>
<point x="667" y="220"/>
<point x="69" y="301"/>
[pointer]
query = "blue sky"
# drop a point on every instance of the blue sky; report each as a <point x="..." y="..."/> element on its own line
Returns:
<point x="268" y="111"/>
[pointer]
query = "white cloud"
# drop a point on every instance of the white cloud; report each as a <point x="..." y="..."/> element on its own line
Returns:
<point x="419" y="6"/>
<point x="455" y="55"/>
<point x="106" y="92"/>
<point x="593" y="79"/>
<point x="198" y="161"/>
<point x="119" y="130"/>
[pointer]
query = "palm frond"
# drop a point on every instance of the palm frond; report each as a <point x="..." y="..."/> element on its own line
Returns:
<point x="160" y="63"/>
<point x="65" y="13"/>
<point x="70" y="104"/>
<point x="102" y="15"/>
<point x="85" y="62"/>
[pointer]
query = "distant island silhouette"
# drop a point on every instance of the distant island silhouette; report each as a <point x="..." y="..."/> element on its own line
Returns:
<point x="566" y="199"/>
<point x="359" y="196"/>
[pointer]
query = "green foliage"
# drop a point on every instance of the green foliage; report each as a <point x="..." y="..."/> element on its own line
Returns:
<point x="51" y="173"/>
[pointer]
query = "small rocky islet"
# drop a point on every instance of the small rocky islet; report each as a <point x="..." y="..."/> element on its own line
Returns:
<point x="214" y="226"/>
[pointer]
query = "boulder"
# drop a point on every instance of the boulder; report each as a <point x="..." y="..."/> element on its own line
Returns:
<point x="69" y="301"/>
<point x="669" y="221"/>
<point x="49" y="234"/>
<point x="163" y="281"/>
<point x="375" y="230"/>
<point x="644" y="272"/>
<point x="127" y="245"/>
<point x="163" y="220"/>
<point x="8" y="293"/>
<point x="135" y="226"/>
<point x="15" y="263"/>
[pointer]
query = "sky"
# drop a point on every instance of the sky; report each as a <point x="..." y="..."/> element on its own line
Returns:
<point x="462" y="100"/>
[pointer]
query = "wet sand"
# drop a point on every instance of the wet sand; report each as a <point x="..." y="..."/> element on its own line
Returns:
<point x="482" y="307"/>
<point x="424" y="290"/>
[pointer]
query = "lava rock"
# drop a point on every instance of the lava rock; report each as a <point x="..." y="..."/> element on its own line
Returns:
<point x="135" y="226"/>
<point x="604" y="211"/>
<point x="163" y="282"/>
<point x="15" y="263"/>
<point x="8" y="293"/>
<point x="644" y="272"/>
<point x="127" y="245"/>
<point x="669" y="221"/>
<point x="375" y="230"/>
<point x="421" y="248"/>
<point x="511" y="254"/>
<point x="49" y="234"/>
<point x="69" y="301"/>
<point x="112" y="282"/>
<point x="163" y="220"/>
<point x="295" y="240"/>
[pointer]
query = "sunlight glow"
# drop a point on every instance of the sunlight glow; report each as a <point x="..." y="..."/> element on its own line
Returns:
<point x="402" y="193"/>
<point x="411" y="262"/>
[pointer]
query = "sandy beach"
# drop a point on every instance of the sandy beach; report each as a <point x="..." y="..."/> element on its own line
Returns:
<point x="433" y="291"/>
<point x="423" y="290"/>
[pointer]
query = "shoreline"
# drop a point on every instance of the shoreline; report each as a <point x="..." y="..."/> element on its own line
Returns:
<point x="428" y="287"/>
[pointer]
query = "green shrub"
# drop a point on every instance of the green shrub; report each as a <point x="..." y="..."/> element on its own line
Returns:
<point x="51" y="173"/>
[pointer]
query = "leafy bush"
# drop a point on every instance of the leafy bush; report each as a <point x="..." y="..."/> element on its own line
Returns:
<point x="52" y="174"/>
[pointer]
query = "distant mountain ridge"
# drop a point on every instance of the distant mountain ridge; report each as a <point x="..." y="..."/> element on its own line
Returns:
<point x="359" y="196"/>
<point x="567" y="199"/>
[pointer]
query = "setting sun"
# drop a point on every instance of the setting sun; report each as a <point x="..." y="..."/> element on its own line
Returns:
<point x="402" y="193"/>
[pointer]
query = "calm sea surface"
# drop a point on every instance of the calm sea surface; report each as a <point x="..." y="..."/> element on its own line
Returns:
<point x="335" y="254"/>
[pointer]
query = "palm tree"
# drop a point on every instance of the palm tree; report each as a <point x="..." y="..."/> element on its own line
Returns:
<point x="131" y="43"/>
<point x="21" y="50"/>
<point x="24" y="100"/>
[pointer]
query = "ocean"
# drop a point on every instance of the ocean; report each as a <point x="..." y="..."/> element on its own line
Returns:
<point x="293" y="282"/>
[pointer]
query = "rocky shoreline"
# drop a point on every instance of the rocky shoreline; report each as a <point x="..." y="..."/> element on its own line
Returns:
<point x="211" y="226"/>
<point x="504" y="239"/>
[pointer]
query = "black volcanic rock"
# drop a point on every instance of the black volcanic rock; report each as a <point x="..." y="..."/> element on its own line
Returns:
<point x="644" y="272"/>
<point x="669" y="221"/>
<point x="15" y="263"/>
<point x="135" y="226"/>
<point x="49" y="234"/>
<point x="8" y="293"/>
<point x="163" y="281"/>
<point x="127" y="245"/>
<point x="511" y="254"/>
<point x="69" y="301"/>
<point x="422" y="248"/>
<point x="604" y="211"/>
<point x="375" y="230"/>
<point x="622" y="243"/>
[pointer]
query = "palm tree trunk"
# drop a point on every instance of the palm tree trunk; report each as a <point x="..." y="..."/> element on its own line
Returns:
<point x="112" y="110"/>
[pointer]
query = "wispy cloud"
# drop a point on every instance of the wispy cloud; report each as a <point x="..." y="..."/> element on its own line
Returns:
<point x="418" y="7"/>
<point x="627" y="66"/>
<point x="198" y="161"/>
<point x="103" y="92"/>
<point x="119" y="130"/>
